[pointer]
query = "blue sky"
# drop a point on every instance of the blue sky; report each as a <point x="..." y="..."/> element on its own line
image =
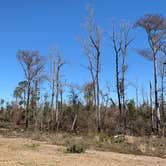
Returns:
<point x="39" y="24"/>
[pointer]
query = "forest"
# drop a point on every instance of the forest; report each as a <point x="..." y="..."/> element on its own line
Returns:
<point x="86" y="108"/>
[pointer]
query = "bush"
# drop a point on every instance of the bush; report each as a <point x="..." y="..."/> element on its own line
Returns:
<point x="75" y="149"/>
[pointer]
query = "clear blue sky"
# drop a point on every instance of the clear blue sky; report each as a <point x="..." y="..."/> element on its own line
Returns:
<point x="39" y="24"/>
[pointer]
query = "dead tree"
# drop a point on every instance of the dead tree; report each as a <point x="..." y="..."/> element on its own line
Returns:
<point x="57" y="62"/>
<point x="33" y="65"/>
<point x="52" y="80"/>
<point x="151" y="108"/>
<point x="121" y="40"/>
<point x="162" y="73"/>
<point x="117" y="42"/>
<point x="92" y="51"/>
<point x="126" y="41"/>
<point x="155" y="27"/>
<point x="36" y="98"/>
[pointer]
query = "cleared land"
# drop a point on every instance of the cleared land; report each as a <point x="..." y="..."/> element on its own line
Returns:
<point x="27" y="152"/>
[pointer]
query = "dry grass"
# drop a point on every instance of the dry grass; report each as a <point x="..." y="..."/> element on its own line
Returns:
<point x="149" y="146"/>
<point x="27" y="152"/>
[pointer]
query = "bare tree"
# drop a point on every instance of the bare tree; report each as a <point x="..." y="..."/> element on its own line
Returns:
<point x="117" y="42"/>
<point x="57" y="62"/>
<point x="151" y="107"/>
<point x="33" y="65"/>
<point x="121" y="41"/>
<point x="52" y="80"/>
<point x="162" y="73"/>
<point x="155" y="27"/>
<point x="37" y="112"/>
<point x="126" y="41"/>
<point x="92" y="51"/>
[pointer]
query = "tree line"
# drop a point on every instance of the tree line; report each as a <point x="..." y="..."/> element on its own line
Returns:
<point x="88" y="108"/>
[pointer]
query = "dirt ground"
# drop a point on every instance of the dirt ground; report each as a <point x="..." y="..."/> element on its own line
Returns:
<point x="26" y="152"/>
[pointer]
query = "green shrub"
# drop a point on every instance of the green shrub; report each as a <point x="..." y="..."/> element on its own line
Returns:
<point x="75" y="149"/>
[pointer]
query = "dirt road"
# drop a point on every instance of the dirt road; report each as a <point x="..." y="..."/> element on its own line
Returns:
<point x="26" y="152"/>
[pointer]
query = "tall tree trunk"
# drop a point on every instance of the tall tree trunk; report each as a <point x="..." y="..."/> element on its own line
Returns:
<point x="53" y="70"/>
<point x="151" y="108"/>
<point x="24" y="96"/>
<point x="156" y="95"/>
<point x="98" y="91"/>
<point x="57" y="96"/>
<point x="162" y="94"/>
<point x="117" y="84"/>
<point x="52" y="101"/>
<point x="123" y="89"/>
<point x="36" y="111"/>
<point x="61" y="99"/>
<point x="27" y="107"/>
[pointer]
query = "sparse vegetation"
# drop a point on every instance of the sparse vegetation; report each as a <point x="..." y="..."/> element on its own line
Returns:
<point x="50" y="105"/>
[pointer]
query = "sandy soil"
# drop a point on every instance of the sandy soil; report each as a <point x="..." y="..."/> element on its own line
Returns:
<point x="26" y="152"/>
